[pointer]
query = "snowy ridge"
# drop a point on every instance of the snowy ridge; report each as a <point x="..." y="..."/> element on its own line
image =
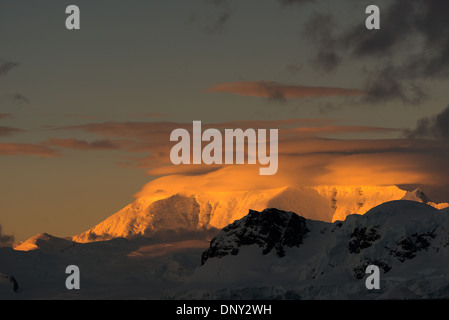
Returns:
<point x="45" y="243"/>
<point x="206" y="210"/>
<point x="271" y="254"/>
<point x="179" y="212"/>
<point x="407" y="240"/>
<point x="271" y="229"/>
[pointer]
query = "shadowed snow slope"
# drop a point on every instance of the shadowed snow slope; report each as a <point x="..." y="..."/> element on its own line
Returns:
<point x="407" y="240"/>
<point x="46" y="243"/>
<point x="271" y="254"/>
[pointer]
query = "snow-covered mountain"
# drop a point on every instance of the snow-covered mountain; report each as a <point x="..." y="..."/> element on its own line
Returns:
<point x="268" y="254"/>
<point x="115" y="269"/>
<point x="277" y="254"/>
<point x="46" y="243"/>
<point x="208" y="210"/>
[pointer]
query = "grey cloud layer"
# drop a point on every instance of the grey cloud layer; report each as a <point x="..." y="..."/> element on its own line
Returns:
<point x="5" y="240"/>
<point x="432" y="127"/>
<point x="412" y="46"/>
<point x="6" y="66"/>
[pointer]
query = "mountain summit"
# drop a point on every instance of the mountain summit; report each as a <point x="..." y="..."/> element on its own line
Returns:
<point x="268" y="254"/>
<point x="45" y="243"/>
<point x="271" y="229"/>
<point x="196" y="211"/>
<point x="257" y="257"/>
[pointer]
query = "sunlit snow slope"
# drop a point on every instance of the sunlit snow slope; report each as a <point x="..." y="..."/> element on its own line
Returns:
<point x="205" y="210"/>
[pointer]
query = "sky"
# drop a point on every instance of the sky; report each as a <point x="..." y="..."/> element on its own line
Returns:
<point x="86" y="115"/>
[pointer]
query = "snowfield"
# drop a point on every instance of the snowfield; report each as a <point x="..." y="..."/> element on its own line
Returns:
<point x="265" y="254"/>
<point x="407" y="240"/>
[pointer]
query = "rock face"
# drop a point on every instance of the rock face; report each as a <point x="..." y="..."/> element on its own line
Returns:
<point x="8" y="284"/>
<point x="271" y="229"/>
<point x="280" y="251"/>
<point x="362" y="238"/>
<point x="210" y="210"/>
<point x="267" y="254"/>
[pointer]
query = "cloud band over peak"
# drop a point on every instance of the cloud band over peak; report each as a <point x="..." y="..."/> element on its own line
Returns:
<point x="278" y="91"/>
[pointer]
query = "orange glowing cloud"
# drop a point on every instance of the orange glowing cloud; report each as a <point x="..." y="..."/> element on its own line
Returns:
<point x="378" y="169"/>
<point x="191" y="170"/>
<point x="305" y="157"/>
<point x="304" y="170"/>
<point x="226" y="179"/>
<point x="277" y="91"/>
<point x="312" y="161"/>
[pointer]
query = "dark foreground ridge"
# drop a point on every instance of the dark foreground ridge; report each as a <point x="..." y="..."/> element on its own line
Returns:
<point x="268" y="255"/>
<point x="271" y="229"/>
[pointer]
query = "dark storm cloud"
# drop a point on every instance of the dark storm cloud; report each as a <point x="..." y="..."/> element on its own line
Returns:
<point x="383" y="85"/>
<point x="18" y="98"/>
<point x="319" y="30"/>
<point x="218" y="25"/>
<point x="220" y="19"/>
<point x="431" y="127"/>
<point x="274" y="92"/>
<point x="411" y="46"/>
<point x="403" y="22"/>
<point x="6" y="66"/>
<point x="5" y="240"/>
<point x="396" y="24"/>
